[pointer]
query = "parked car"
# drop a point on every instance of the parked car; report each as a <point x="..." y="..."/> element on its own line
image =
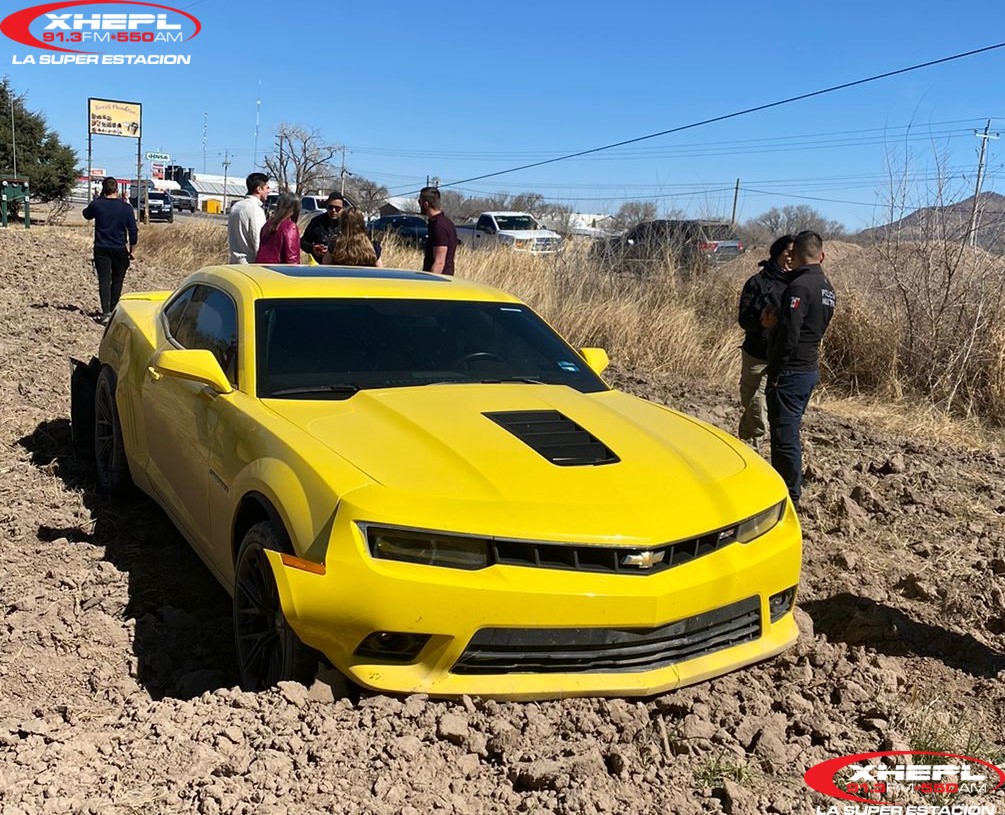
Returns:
<point x="161" y="206"/>
<point x="183" y="200"/>
<point x="411" y="230"/>
<point x="519" y="231"/>
<point x="688" y="243"/>
<point x="414" y="477"/>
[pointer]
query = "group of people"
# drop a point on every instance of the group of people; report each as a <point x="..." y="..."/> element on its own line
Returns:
<point x="335" y="237"/>
<point x="784" y="311"/>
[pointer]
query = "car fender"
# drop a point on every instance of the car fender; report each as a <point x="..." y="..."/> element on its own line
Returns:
<point x="306" y="519"/>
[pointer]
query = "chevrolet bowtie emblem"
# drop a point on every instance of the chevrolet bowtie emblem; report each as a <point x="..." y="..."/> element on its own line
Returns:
<point x="644" y="560"/>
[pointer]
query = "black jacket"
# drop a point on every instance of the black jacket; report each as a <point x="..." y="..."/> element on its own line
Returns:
<point x="114" y="223"/>
<point x="808" y="304"/>
<point x="321" y="229"/>
<point x="762" y="290"/>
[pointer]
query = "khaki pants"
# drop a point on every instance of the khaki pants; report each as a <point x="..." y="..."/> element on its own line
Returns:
<point x="753" y="421"/>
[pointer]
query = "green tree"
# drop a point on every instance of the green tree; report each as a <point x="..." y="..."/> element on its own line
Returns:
<point x="49" y="165"/>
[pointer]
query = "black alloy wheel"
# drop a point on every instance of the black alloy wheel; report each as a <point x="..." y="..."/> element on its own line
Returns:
<point x="109" y="450"/>
<point x="268" y="650"/>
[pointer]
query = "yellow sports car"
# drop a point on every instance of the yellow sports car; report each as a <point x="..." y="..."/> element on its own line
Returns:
<point x="415" y="478"/>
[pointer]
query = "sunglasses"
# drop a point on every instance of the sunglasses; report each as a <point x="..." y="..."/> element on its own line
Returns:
<point x="334" y="208"/>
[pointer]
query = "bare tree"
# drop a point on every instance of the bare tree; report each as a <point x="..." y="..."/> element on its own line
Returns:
<point x="789" y="220"/>
<point x="368" y="195"/>
<point x="301" y="161"/>
<point x="631" y="213"/>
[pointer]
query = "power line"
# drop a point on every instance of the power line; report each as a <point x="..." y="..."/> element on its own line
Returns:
<point x="726" y="116"/>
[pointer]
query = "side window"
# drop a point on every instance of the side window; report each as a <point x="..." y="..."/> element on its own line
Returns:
<point x="210" y="322"/>
<point x="485" y="224"/>
<point x="176" y="308"/>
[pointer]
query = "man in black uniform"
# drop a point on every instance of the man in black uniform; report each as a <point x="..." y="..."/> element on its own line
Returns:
<point x="807" y="306"/>
<point x="323" y="229"/>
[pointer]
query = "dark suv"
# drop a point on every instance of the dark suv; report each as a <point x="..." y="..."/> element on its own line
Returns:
<point x="161" y="208"/>
<point x="410" y="229"/>
<point x="182" y="200"/>
<point x="688" y="243"/>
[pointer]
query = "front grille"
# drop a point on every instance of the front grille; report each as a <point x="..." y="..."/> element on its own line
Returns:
<point x="554" y="436"/>
<point x="613" y="559"/>
<point x="610" y="650"/>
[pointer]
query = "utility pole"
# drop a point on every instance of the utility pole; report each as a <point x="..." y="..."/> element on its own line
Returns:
<point x="343" y="172"/>
<point x="975" y="211"/>
<point x="736" y="196"/>
<point x="205" y="125"/>
<point x="258" y="112"/>
<point x="226" y="165"/>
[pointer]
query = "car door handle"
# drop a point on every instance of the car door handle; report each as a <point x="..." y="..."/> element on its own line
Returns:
<point x="155" y="375"/>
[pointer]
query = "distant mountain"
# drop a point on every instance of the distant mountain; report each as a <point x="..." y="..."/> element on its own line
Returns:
<point x="951" y="221"/>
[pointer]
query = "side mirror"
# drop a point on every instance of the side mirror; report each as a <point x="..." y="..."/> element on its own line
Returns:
<point x="195" y="365"/>
<point x="596" y="358"/>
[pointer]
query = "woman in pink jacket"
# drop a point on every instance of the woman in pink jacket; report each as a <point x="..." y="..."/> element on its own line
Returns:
<point x="279" y="241"/>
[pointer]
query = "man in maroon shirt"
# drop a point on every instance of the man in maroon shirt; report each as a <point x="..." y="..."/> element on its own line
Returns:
<point x="442" y="241"/>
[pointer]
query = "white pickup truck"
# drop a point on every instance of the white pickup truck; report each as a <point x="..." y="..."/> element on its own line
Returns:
<point x="517" y="230"/>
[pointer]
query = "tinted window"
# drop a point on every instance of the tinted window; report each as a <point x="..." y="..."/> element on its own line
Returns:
<point x="485" y="224"/>
<point x="719" y="232"/>
<point x="210" y="322"/>
<point x="176" y="308"/>
<point x="374" y="343"/>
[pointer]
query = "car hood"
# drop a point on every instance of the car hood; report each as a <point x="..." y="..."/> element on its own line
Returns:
<point x="523" y="234"/>
<point x="437" y="442"/>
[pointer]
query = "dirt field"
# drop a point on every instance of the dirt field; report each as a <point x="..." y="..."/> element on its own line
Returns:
<point x="117" y="668"/>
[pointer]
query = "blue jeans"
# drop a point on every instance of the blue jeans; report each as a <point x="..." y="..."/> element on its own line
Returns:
<point x="788" y="396"/>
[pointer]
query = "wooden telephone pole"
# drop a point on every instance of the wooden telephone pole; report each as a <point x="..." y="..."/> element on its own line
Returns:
<point x="975" y="211"/>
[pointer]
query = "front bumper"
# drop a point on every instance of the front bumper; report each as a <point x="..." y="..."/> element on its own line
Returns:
<point x="463" y="611"/>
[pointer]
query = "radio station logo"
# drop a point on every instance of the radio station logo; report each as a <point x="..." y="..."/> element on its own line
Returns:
<point x="101" y="32"/>
<point x="879" y="778"/>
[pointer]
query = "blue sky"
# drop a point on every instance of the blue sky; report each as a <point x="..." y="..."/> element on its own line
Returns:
<point x="456" y="90"/>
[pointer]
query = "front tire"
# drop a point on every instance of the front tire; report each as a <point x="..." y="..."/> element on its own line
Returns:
<point x="109" y="450"/>
<point x="268" y="650"/>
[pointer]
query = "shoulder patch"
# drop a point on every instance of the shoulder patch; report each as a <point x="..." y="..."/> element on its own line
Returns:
<point x="793" y="302"/>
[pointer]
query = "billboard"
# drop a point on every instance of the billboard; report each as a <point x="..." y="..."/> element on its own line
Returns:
<point x="108" y="117"/>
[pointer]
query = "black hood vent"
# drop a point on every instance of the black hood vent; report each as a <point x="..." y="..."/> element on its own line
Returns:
<point x="554" y="436"/>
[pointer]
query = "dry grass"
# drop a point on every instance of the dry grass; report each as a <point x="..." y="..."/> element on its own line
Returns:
<point x="686" y="327"/>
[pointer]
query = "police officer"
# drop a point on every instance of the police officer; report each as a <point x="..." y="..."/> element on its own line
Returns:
<point x="759" y="301"/>
<point x="806" y="309"/>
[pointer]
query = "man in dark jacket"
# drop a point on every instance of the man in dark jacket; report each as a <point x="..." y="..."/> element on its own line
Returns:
<point x="759" y="301"/>
<point x="808" y="304"/>
<point x="114" y="223"/>
<point x="323" y="229"/>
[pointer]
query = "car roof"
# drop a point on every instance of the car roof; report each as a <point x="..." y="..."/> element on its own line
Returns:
<point x="267" y="281"/>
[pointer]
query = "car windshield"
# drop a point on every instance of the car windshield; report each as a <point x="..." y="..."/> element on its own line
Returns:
<point x="156" y="196"/>
<point x="516" y="222"/>
<point x="414" y="222"/>
<point x="329" y="348"/>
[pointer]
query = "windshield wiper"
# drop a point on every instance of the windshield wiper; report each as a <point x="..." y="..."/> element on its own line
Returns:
<point x="333" y="390"/>
<point x="525" y="379"/>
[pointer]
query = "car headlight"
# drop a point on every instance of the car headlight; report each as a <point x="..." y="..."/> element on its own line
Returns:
<point x="506" y="238"/>
<point x="428" y="548"/>
<point x="754" y="527"/>
<point x="521" y="244"/>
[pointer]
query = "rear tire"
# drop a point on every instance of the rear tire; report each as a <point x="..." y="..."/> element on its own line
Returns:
<point x="109" y="449"/>
<point x="268" y="650"/>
